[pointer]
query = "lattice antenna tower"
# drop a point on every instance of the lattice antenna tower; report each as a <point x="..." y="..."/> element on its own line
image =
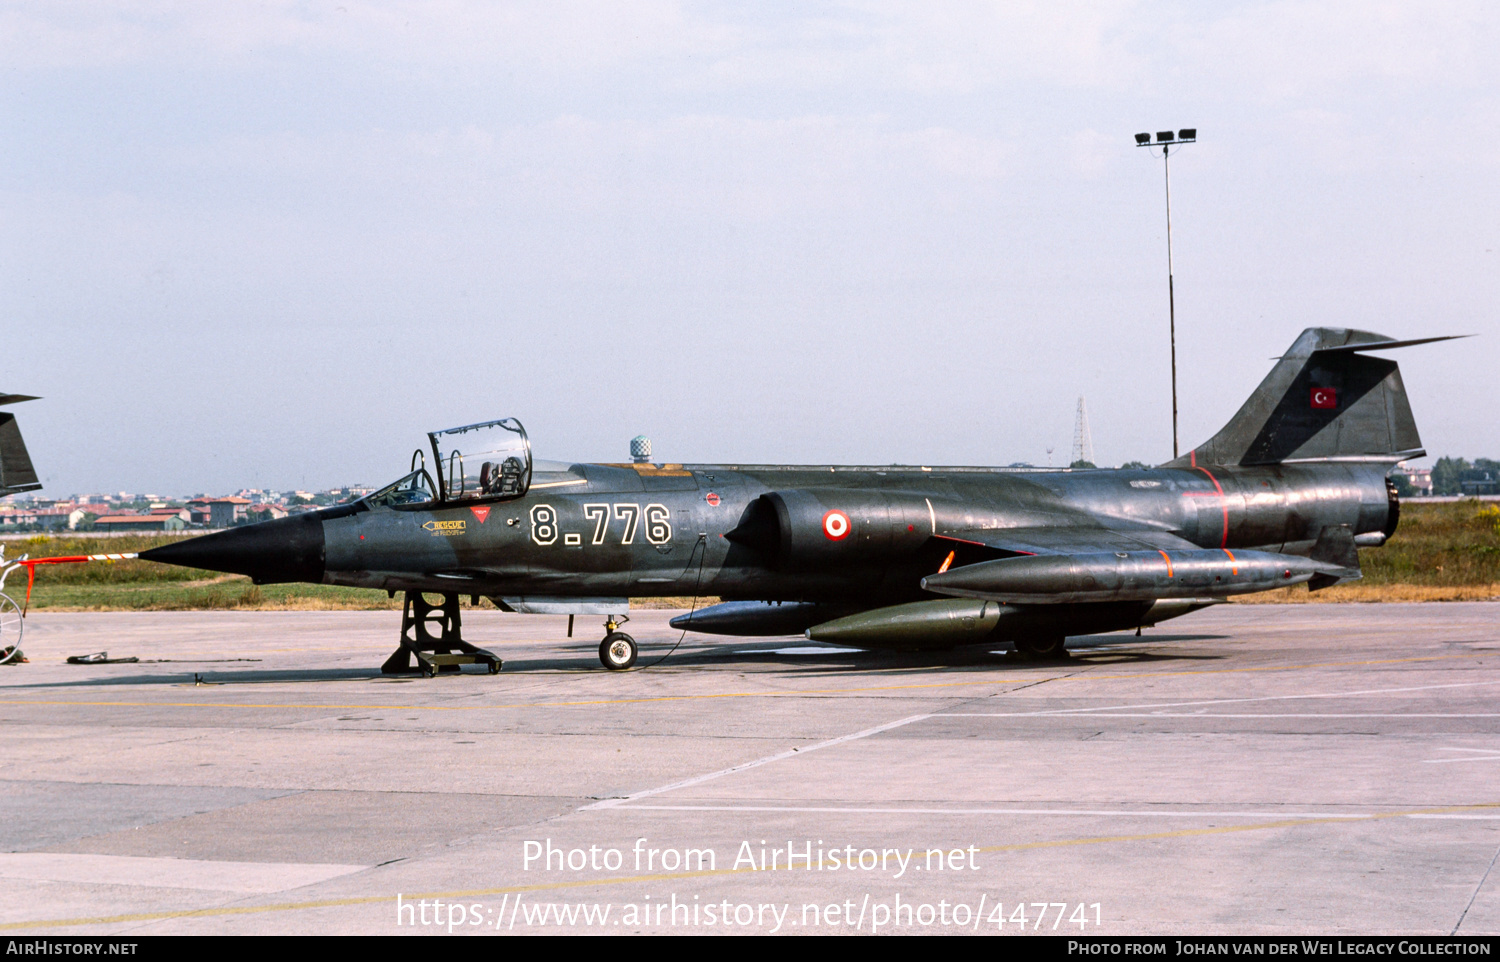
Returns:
<point x="1083" y="443"/>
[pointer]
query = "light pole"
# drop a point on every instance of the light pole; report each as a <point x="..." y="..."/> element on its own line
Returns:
<point x="1165" y="139"/>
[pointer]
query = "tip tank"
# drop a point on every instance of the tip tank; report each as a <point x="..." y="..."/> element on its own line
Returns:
<point x="1130" y="576"/>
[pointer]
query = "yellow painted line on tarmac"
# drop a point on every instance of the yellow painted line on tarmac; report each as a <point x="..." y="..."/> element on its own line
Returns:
<point x="1325" y="664"/>
<point x="470" y="708"/>
<point x="221" y="654"/>
<point x="677" y="876"/>
<point x="1030" y="680"/>
<point x="1226" y="829"/>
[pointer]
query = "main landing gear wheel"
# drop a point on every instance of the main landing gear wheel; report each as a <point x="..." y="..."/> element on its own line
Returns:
<point x="617" y="651"/>
<point x="10" y="630"/>
<point x="1043" y="649"/>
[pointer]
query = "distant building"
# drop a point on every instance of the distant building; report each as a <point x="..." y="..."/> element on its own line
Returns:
<point x="1418" y="478"/>
<point x="227" y="512"/>
<point x="43" y="519"/>
<point x="265" y="512"/>
<point x="139" y="522"/>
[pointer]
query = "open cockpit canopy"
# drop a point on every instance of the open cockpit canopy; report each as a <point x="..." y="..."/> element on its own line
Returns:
<point x="477" y="462"/>
<point x="488" y="461"/>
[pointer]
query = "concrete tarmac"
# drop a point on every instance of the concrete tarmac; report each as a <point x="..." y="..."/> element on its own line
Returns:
<point x="1289" y="770"/>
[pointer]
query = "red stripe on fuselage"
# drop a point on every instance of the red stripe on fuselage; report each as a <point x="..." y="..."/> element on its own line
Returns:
<point x="1223" y="542"/>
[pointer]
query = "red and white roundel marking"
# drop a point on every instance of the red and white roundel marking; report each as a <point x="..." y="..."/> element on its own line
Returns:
<point x="836" y="525"/>
<point x="712" y="499"/>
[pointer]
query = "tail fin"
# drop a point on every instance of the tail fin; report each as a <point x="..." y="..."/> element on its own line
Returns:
<point x="1323" y="401"/>
<point x="16" y="472"/>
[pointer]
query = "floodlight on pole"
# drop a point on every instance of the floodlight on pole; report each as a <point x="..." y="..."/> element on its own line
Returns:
<point x="1166" y="140"/>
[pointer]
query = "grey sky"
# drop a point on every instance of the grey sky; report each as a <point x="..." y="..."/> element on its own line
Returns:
<point x="272" y="244"/>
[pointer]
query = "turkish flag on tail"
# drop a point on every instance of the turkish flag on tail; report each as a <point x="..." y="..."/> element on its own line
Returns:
<point x="1325" y="397"/>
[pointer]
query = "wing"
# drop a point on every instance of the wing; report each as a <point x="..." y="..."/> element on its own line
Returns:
<point x="1070" y="538"/>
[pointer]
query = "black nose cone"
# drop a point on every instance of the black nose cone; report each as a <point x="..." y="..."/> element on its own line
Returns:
<point x="271" y="552"/>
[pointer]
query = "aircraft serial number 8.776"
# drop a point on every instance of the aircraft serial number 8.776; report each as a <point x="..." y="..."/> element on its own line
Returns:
<point x="873" y="557"/>
<point x="658" y="528"/>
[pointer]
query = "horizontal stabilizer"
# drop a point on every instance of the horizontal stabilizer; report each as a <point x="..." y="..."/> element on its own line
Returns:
<point x="1387" y="345"/>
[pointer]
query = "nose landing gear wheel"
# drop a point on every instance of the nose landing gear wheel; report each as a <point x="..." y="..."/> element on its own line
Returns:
<point x="617" y="651"/>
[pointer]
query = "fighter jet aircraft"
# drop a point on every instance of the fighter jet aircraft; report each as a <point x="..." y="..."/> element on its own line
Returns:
<point x="874" y="557"/>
